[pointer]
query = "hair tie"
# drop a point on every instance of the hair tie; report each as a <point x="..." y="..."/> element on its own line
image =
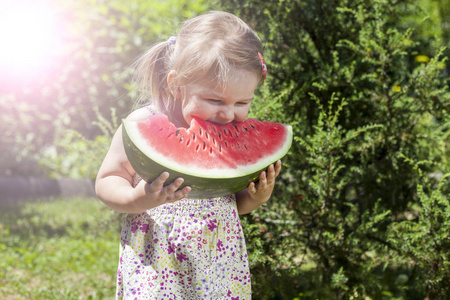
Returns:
<point x="171" y="40"/>
<point x="263" y="65"/>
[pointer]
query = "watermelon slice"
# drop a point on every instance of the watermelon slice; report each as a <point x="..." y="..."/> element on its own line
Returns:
<point x="213" y="159"/>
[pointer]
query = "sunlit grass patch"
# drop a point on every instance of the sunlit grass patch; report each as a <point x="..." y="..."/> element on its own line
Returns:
<point x="60" y="249"/>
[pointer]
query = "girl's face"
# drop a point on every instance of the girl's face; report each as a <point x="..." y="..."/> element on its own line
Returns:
<point x="217" y="103"/>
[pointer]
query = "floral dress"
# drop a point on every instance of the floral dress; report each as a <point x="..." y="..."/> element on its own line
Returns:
<point x="189" y="249"/>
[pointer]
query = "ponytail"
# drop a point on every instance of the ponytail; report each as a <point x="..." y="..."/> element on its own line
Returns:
<point x="151" y="70"/>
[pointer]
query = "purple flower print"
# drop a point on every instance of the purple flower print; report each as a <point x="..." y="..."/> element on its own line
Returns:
<point x="170" y="250"/>
<point x="233" y="298"/>
<point x="135" y="226"/>
<point x="144" y="228"/>
<point x="229" y="293"/>
<point x="208" y="205"/>
<point x="211" y="225"/>
<point x="119" y="277"/>
<point x="205" y="285"/>
<point x="181" y="257"/>
<point x="219" y="245"/>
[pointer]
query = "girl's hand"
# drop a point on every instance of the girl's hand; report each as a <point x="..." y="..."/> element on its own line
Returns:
<point x="150" y="195"/>
<point x="258" y="193"/>
<point x="262" y="190"/>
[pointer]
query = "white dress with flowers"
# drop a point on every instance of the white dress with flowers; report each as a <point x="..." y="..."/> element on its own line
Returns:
<point x="190" y="249"/>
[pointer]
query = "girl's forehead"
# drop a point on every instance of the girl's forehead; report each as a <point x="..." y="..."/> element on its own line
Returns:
<point x="233" y="78"/>
<point x="239" y="85"/>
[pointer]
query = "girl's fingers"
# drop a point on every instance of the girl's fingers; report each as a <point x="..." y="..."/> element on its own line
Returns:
<point x="263" y="176"/>
<point x="271" y="174"/>
<point x="277" y="168"/>
<point x="158" y="183"/>
<point x="251" y="188"/>
<point x="186" y="191"/>
<point x="171" y="188"/>
<point x="178" y="195"/>
<point x="271" y="170"/>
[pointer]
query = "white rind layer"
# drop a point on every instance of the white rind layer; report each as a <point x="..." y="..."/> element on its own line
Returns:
<point x="140" y="142"/>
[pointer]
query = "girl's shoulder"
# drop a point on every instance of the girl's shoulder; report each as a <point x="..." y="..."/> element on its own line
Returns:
<point x="141" y="113"/>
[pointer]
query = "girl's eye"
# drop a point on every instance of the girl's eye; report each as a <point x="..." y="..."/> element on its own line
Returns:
<point x="214" y="101"/>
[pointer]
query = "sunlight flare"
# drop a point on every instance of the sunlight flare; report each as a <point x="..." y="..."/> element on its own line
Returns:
<point x="28" y="35"/>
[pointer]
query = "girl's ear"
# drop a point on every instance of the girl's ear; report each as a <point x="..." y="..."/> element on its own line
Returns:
<point x="175" y="90"/>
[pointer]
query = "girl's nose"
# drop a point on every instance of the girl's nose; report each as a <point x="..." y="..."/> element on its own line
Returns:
<point x="227" y="114"/>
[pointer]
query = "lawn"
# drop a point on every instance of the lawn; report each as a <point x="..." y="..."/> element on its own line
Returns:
<point x="58" y="249"/>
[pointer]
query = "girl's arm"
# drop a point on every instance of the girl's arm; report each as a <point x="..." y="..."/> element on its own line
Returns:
<point x="257" y="194"/>
<point x="115" y="176"/>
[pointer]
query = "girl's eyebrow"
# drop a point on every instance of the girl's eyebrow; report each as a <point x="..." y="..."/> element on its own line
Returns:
<point x="212" y="94"/>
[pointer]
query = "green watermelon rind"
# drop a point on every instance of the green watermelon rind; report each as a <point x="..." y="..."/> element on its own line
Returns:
<point x="202" y="187"/>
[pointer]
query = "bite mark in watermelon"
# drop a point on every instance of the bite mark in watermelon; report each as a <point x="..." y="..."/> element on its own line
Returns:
<point x="213" y="159"/>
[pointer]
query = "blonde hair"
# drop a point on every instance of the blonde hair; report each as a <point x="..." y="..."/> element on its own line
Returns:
<point x="207" y="48"/>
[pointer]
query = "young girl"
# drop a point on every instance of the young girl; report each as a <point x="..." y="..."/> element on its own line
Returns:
<point x="173" y="247"/>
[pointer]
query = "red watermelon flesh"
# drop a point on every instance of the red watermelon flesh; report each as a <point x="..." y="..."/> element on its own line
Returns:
<point x="207" y="145"/>
<point x="205" y="152"/>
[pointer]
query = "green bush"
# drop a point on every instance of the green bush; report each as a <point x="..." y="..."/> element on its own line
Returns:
<point x="369" y="102"/>
<point x="75" y="156"/>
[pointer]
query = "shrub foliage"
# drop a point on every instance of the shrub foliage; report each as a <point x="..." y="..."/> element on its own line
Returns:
<point x="361" y="209"/>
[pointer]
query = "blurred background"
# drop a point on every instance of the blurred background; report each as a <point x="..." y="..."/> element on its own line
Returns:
<point x="361" y="209"/>
<point x="64" y="64"/>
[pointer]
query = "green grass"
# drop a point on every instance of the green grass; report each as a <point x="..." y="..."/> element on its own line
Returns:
<point x="59" y="249"/>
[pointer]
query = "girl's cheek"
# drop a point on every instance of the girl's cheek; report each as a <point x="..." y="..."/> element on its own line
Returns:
<point x="242" y="115"/>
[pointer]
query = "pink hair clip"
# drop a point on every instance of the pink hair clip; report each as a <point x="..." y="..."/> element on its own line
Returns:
<point x="263" y="65"/>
